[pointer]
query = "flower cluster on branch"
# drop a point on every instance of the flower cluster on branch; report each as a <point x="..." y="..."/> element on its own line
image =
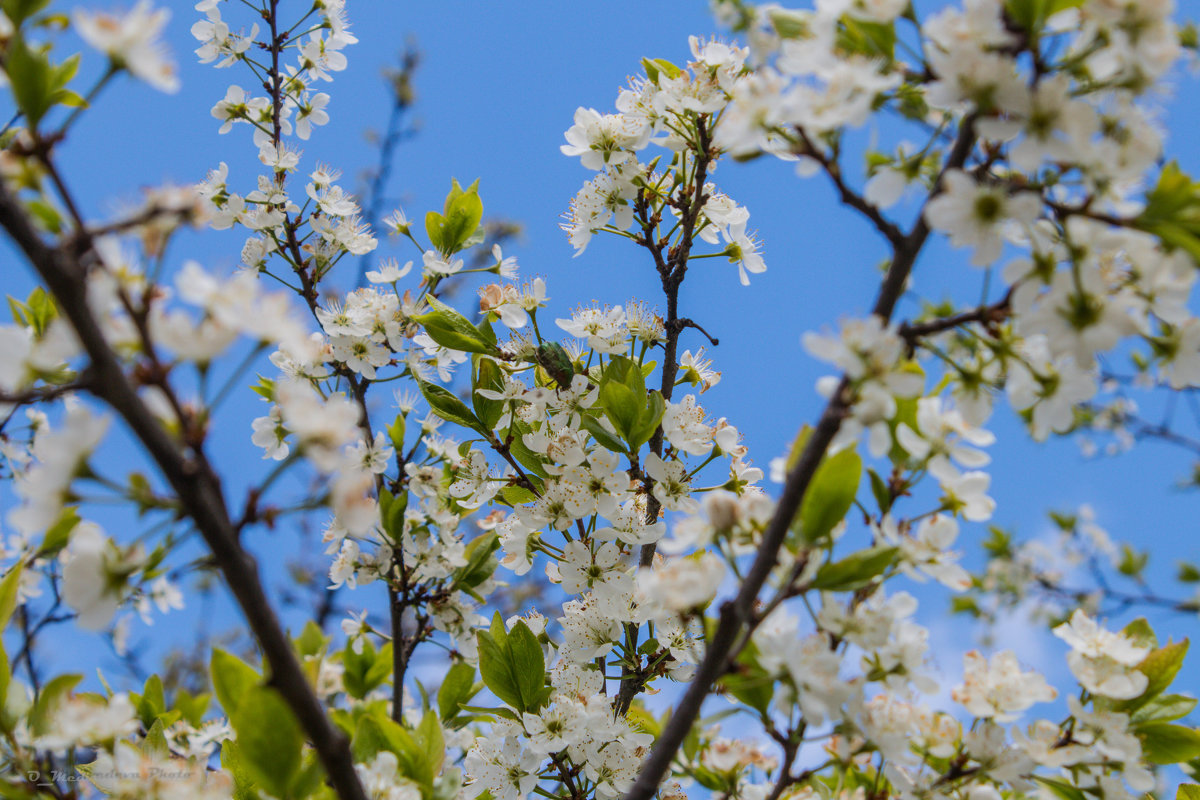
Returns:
<point x="1024" y="132"/>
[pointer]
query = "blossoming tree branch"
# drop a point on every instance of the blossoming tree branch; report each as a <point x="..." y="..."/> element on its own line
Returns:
<point x="708" y="628"/>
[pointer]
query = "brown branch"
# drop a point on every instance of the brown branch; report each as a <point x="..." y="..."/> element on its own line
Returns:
<point x="737" y="616"/>
<point x="1143" y="429"/>
<point x="672" y="271"/>
<point x="41" y="394"/>
<point x="913" y="332"/>
<point x="848" y="196"/>
<point x="684" y="322"/>
<point x="1063" y="210"/>
<point x="400" y="83"/>
<point x="152" y="213"/>
<point x="791" y="746"/>
<point x="1122" y="600"/>
<point x="64" y="273"/>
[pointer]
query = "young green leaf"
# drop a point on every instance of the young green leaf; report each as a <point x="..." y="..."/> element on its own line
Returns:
<point x="830" y="495"/>
<point x="1163" y="743"/>
<point x="489" y="377"/>
<point x="451" y="329"/>
<point x="512" y="664"/>
<point x="449" y="407"/>
<point x="269" y="738"/>
<point x="854" y="571"/>
<point x="232" y="678"/>
<point x="529" y="664"/>
<point x="457" y="688"/>
<point x="8" y="593"/>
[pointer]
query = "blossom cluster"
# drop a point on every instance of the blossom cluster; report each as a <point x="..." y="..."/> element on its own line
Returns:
<point x="548" y="505"/>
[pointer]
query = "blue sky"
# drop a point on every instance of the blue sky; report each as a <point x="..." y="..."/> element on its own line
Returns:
<point x="496" y="90"/>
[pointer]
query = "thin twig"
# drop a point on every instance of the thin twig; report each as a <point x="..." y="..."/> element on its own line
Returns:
<point x="913" y="332"/>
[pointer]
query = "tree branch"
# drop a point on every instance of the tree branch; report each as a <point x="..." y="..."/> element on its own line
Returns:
<point x="848" y="196"/>
<point x="64" y="271"/>
<point x="671" y="271"/>
<point x="737" y="616"/>
<point x="913" y="332"/>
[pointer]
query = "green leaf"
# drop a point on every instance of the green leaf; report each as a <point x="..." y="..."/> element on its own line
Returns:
<point x="155" y="742"/>
<point x="53" y="693"/>
<point x="516" y="495"/>
<point x="749" y="682"/>
<point x="1164" y="708"/>
<point x="234" y="763"/>
<point x="622" y="408"/>
<point x="462" y="213"/>
<point x="512" y="664"/>
<point x="376" y="733"/>
<point x="1175" y="236"/>
<point x="31" y="80"/>
<point x="434" y="222"/>
<point x="906" y="412"/>
<point x="633" y="412"/>
<point x="447" y="406"/>
<point x="451" y="329"/>
<point x="490" y="377"/>
<point x="1172" y="210"/>
<point x="1140" y="632"/>
<point x="626" y="372"/>
<point x="38" y="310"/>
<point x="651" y="69"/>
<point x="1163" y="743"/>
<point x="370" y="738"/>
<point x="965" y="605"/>
<point x="871" y="39"/>
<point x="38" y="85"/>
<point x="19" y="10"/>
<point x="1160" y="666"/>
<point x="601" y="434"/>
<point x="232" y="678"/>
<point x="269" y="738"/>
<point x="1188" y="573"/>
<point x="8" y="593"/>
<point x="432" y="743"/>
<point x="879" y="488"/>
<point x="1132" y="562"/>
<point x="152" y="701"/>
<point x="311" y="777"/>
<point x="1061" y="789"/>
<point x="854" y="571"/>
<point x="193" y="707"/>
<point x="1031" y="15"/>
<point x="457" y="688"/>
<point x="391" y="513"/>
<point x="5" y="680"/>
<point x="395" y="433"/>
<point x="528" y="662"/>
<point x="364" y="671"/>
<point x="521" y="452"/>
<point x="830" y="495"/>
<point x="649" y="416"/>
<point x="481" y="562"/>
<point x="663" y="66"/>
<point x="495" y="667"/>
<point x="70" y="99"/>
<point x="311" y="640"/>
<point x="1188" y="791"/>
